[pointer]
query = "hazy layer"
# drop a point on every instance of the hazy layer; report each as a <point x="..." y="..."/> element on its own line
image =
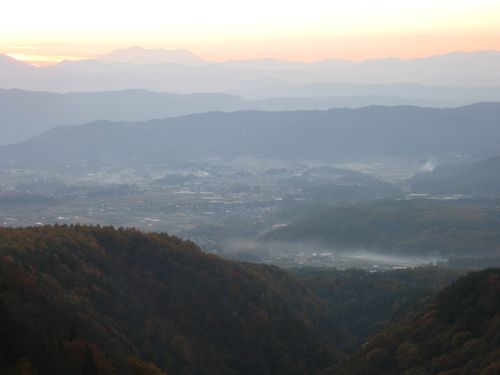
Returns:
<point x="224" y="29"/>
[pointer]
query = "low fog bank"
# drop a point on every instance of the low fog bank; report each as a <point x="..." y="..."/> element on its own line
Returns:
<point x="313" y="253"/>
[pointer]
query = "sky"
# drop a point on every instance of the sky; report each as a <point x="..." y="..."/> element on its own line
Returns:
<point x="53" y="30"/>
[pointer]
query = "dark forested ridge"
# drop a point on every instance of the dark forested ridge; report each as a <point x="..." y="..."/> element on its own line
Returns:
<point x="458" y="333"/>
<point x="405" y="227"/>
<point x="327" y="136"/>
<point x="361" y="303"/>
<point x="98" y="300"/>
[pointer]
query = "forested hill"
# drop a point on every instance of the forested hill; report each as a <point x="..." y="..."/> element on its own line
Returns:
<point x="459" y="333"/>
<point x="479" y="179"/>
<point x="417" y="227"/>
<point x="99" y="300"/>
<point x="326" y="136"/>
<point x="87" y="300"/>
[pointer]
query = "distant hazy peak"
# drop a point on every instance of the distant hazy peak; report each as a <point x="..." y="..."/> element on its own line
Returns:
<point x="7" y="61"/>
<point x="141" y="56"/>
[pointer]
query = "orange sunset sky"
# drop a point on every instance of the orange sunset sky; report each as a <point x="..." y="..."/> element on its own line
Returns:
<point x="49" y="31"/>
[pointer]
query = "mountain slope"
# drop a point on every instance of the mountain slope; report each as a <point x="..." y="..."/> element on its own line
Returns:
<point x="73" y="299"/>
<point x="13" y="72"/>
<point x="480" y="178"/>
<point x="362" y="303"/>
<point x="7" y="62"/>
<point x="459" y="333"/>
<point x="412" y="228"/>
<point x="25" y="114"/>
<point x="326" y="136"/>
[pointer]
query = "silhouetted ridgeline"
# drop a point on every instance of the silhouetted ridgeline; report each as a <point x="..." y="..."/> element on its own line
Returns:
<point x="325" y="136"/>
<point x="180" y="71"/>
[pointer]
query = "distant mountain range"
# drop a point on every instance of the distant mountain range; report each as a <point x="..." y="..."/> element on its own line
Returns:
<point x="24" y="114"/>
<point x="325" y="136"/>
<point x="442" y="96"/>
<point x="182" y="71"/>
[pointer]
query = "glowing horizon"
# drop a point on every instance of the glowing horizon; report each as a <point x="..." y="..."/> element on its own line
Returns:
<point x="56" y="30"/>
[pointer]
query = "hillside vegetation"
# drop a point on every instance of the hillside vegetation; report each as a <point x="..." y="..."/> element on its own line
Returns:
<point x="458" y="333"/>
<point x="99" y="300"/>
<point x="414" y="228"/>
<point x="479" y="179"/>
